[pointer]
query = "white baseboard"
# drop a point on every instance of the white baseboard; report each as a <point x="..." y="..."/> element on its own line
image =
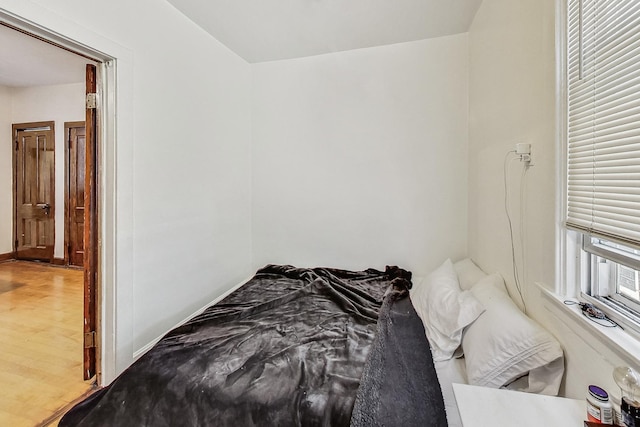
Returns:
<point x="148" y="346"/>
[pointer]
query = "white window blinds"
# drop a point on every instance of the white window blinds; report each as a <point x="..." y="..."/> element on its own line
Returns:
<point x="603" y="154"/>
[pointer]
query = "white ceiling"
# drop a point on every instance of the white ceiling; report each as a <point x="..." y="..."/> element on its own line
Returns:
<point x="267" y="30"/>
<point x="261" y="30"/>
<point x="26" y="61"/>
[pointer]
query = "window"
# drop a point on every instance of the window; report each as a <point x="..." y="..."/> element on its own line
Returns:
<point x="603" y="149"/>
<point x="614" y="275"/>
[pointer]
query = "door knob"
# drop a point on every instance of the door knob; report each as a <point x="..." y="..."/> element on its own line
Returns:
<point x="45" y="207"/>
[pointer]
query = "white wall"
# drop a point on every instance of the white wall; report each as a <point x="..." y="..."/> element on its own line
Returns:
<point x="6" y="176"/>
<point x="182" y="162"/>
<point x="59" y="103"/>
<point x="512" y="90"/>
<point x="360" y="157"/>
<point x="512" y="99"/>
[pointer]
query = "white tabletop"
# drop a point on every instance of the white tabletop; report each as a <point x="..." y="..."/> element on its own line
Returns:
<point x="488" y="407"/>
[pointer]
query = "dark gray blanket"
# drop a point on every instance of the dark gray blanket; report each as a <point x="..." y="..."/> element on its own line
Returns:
<point x="399" y="385"/>
<point x="286" y="349"/>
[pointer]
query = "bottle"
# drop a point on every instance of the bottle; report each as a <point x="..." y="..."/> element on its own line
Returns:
<point x="630" y="411"/>
<point x="628" y="380"/>
<point x="599" y="407"/>
<point x="617" y="414"/>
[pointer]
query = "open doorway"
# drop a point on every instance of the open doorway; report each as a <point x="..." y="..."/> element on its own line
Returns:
<point x="37" y="228"/>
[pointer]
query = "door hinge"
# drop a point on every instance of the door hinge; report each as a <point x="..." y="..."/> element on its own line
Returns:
<point x="90" y="339"/>
<point x="17" y="145"/>
<point x="91" y="101"/>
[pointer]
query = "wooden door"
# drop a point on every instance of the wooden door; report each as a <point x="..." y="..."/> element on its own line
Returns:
<point x="90" y="260"/>
<point x="34" y="180"/>
<point x="75" y="134"/>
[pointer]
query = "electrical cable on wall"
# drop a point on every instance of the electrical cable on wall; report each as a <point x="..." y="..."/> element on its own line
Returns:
<point x="523" y="209"/>
<point x="523" y="154"/>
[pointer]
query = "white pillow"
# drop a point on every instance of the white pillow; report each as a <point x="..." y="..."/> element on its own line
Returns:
<point x="504" y="344"/>
<point x="468" y="273"/>
<point x="444" y="309"/>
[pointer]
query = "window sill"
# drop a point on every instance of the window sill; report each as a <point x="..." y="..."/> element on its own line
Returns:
<point x="617" y="340"/>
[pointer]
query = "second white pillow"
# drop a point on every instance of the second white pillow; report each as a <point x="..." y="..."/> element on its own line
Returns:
<point x="445" y="310"/>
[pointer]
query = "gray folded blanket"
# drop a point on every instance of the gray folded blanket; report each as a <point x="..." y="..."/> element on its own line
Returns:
<point x="399" y="385"/>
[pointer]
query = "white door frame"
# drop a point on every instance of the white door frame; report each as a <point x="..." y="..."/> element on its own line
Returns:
<point x="115" y="80"/>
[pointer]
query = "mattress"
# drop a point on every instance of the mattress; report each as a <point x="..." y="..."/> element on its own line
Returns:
<point x="451" y="372"/>
<point x="288" y="348"/>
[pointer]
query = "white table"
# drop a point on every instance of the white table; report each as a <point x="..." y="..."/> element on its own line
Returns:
<point x="488" y="407"/>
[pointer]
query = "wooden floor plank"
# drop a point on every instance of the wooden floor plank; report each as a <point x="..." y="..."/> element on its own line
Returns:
<point x="40" y="341"/>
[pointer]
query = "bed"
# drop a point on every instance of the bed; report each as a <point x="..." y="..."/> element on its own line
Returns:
<point x="298" y="347"/>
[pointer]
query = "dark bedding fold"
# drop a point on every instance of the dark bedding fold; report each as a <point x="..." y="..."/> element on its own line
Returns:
<point x="286" y="349"/>
<point x="399" y="385"/>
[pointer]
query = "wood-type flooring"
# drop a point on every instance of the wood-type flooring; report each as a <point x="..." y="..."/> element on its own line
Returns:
<point x="41" y="309"/>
